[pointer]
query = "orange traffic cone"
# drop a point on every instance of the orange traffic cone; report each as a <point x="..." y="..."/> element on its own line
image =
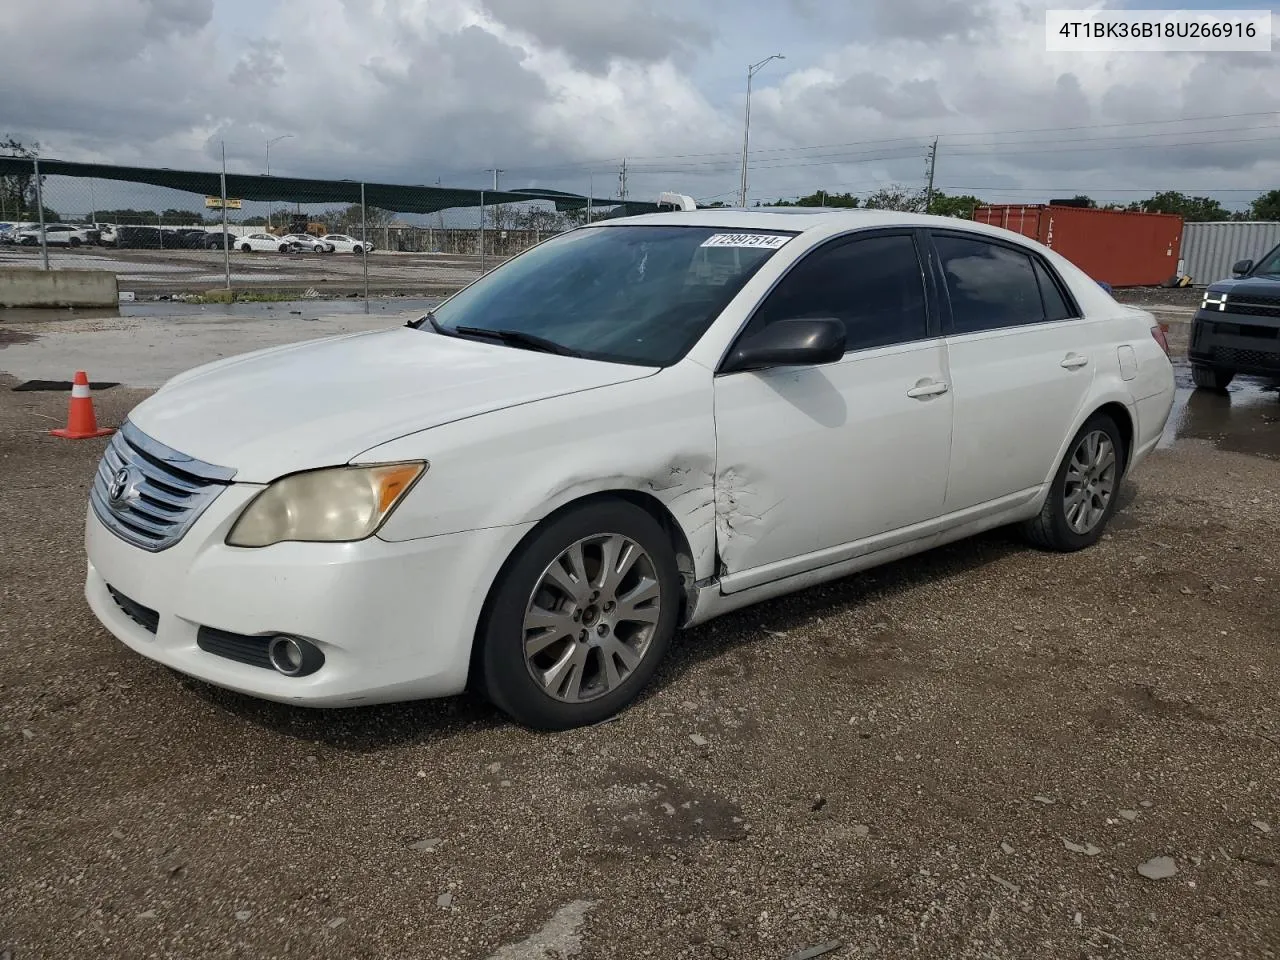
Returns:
<point x="82" y="422"/>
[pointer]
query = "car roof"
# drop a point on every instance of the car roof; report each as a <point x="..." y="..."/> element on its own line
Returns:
<point x="805" y="219"/>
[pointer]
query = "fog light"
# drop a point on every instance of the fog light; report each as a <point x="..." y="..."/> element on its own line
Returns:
<point x="293" y="656"/>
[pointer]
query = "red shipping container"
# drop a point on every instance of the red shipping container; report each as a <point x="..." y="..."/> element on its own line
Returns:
<point x="1121" y="248"/>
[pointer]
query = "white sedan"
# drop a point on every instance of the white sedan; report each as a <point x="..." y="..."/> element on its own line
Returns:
<point x="632" y="427"/>
<point x="303" y="241"/>
<point x="345" y="244"/>
<point x="262" y="242"/>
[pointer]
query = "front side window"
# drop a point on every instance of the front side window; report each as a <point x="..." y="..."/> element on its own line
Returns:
<point x="628" y="294"/>
<point x="990" y="286"/>
<point x="873" y="285"/>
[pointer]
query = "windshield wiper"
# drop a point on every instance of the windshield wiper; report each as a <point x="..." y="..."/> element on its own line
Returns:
<point x="518" y="338"/>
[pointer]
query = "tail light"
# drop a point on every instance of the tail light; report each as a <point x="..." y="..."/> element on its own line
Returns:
<point x="1158" y="333"/>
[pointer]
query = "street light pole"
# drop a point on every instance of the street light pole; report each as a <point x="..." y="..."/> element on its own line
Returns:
<point x="746" y="126"/>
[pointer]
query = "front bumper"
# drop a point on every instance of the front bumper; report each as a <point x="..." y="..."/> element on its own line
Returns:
<point x="395" y="621"/>
<point x="1241" y="342"/>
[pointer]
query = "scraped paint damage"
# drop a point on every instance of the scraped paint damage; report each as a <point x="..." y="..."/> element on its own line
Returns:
<point x="724" y="512"/>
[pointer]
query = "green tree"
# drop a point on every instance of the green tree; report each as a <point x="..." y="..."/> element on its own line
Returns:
<point x="896" y="197"/>
<point x="944" y="205"/>
<point x="18" y="190"/>
<point x="1191" y="209"/>
<point x="822" y="198"/>
<point x="1266" y="207"/>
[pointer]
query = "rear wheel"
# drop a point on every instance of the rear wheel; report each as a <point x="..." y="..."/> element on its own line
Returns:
<point x="580" y="617"/>
<point x="75" y="241"/>
<point x="246" y="248"/>
<point x="1211" y="378"/>
<point x="1082" y="496"/>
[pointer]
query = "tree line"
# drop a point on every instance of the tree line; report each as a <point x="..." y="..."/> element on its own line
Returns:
<point x="1266" y="206"/>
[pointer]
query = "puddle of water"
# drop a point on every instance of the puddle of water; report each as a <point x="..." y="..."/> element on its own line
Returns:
<point x="1244" y="420"/>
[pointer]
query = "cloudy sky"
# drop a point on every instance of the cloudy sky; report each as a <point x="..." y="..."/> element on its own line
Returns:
<point x="557" y="92"/>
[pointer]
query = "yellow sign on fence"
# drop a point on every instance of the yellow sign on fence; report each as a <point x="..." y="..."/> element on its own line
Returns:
<point x="216" y="203"/>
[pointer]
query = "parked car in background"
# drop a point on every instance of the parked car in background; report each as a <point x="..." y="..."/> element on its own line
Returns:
<point x="260" y="242"/>
<point x="304" y="241"/>
<point x="57" y="235"/>
<point x="635" y="426"/>
<point x="219" y="240"/>
<point x="107" y="235"/>
<point x="185" y="238"/>
<point x="342" y="243"/>
<point x="1237" y="328"/>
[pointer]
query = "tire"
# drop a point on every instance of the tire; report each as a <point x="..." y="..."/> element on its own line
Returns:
<point x="1211" y="378"/>
<point x="634" y="650"/>
<point x="357" y="249"/>
<point x="246" y="248"/>
<point x="284" y="248"/>
<point x="74" y="241"/>
<point x="1058" y="526"/>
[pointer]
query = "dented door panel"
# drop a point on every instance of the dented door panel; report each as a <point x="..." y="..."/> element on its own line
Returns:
<point x="812" y="458"/>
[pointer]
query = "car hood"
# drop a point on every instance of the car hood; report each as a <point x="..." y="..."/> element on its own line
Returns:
<point x="1247" y="287"/>
<point x="322" y="402"/>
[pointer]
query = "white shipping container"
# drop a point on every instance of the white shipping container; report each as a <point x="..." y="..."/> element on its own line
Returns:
<point x="1209" y="249"/>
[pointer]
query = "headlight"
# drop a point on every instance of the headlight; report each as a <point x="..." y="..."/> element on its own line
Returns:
<point x="332" y="505"/>
<point x="1214" y="301"/>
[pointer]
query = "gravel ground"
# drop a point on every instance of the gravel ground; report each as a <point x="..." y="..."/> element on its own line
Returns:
<point x="967" y="754"/>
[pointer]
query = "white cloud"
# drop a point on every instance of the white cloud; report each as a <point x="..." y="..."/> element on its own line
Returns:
<point x="421" y="89"/>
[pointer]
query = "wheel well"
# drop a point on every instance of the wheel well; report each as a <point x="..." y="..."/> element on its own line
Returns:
<point x="1120" y="415"/>
<point x="652" y="506"/>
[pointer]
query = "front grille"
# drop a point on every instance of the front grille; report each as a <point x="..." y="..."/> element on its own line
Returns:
<point x="1255" y="308"/>
<point x="1246" y="358"/>
<point x="158" y="492"/>
<point x="234" y="646"/>
<point x="144" y="617"/>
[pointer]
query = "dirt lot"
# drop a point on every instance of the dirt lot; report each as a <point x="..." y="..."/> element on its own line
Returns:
<point x="968" y="754"/>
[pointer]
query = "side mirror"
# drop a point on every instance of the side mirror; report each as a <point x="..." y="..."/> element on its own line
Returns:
<point x="788" y="343"/>
<point x="1242" y="267"/>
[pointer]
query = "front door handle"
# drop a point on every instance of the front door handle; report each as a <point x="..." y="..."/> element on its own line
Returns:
<point x="1074" y="361"/>
<point x="928" y="388"/>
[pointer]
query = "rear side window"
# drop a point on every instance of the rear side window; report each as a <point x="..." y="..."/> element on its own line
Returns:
<point x="991" y="286"/>
<point x="873" y="285"/>
<point x="1055" y="307"/>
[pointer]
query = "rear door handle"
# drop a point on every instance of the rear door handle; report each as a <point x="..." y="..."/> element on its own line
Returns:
<point x="928" y="388"/>
<point x="1074" y="361"/>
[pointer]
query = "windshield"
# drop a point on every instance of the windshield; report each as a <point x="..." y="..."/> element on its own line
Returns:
<point x="1270" y="265"/>
<point x="633" y="294"/>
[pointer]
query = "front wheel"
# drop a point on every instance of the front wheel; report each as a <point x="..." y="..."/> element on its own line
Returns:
<point x="1082" y="496"/>
<point x="580" y="617"/>
<point x="1211" y="378"/>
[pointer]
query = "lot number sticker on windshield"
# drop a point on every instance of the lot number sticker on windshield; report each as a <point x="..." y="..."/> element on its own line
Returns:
<point x="768" y="241"/>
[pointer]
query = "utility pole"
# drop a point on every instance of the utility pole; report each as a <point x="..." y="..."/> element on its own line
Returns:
<point x="622" y="180"/>
<point x="746" y="125"/>
<point x="496" y="173"/>
<point x="933" y="162"/>
<point x="591" y="189"/>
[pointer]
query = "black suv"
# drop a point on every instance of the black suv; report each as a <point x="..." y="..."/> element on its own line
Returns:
<point x="1237" y="328"/>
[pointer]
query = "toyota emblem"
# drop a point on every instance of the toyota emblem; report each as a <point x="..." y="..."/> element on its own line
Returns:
<point x="119" y="488"/>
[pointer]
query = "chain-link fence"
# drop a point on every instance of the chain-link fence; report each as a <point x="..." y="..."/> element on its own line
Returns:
<point x="173" y="237"/>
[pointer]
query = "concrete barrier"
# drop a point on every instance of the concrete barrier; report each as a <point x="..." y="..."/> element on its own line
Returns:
<point x="21" y="287"/>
